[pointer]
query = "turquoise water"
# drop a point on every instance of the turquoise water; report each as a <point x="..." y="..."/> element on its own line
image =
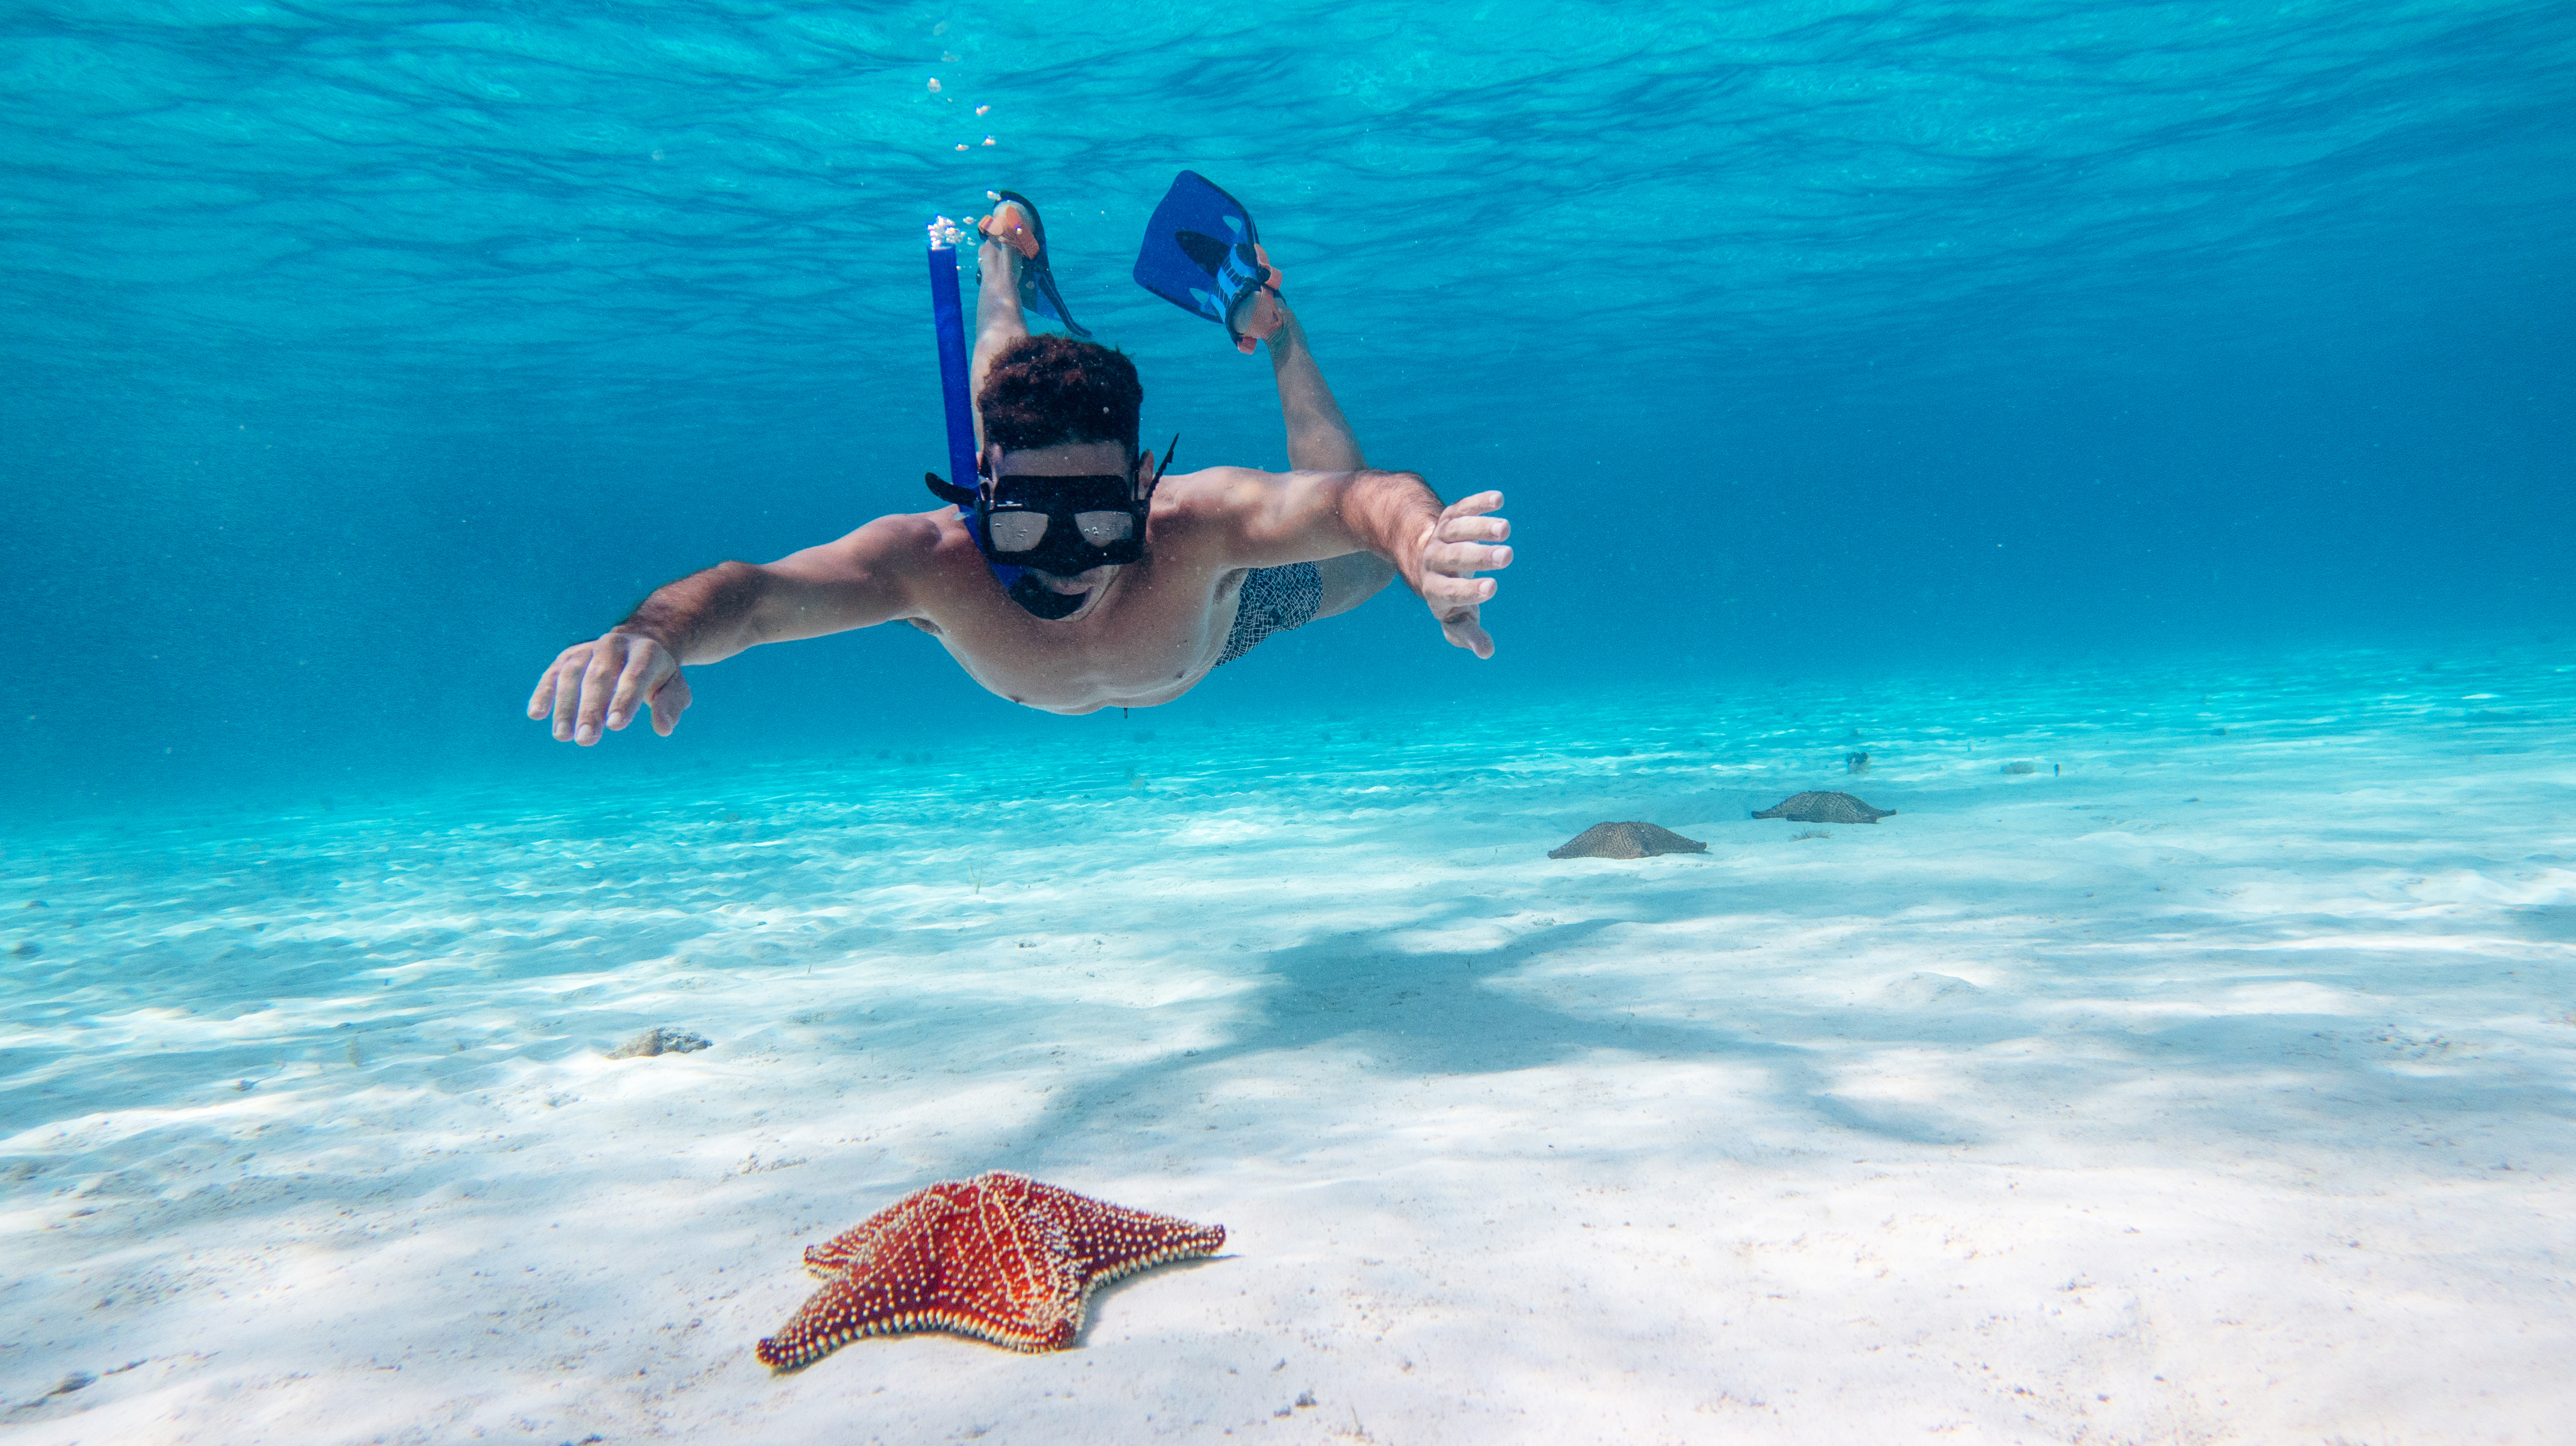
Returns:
<point x="361" y="356"/>
<point x="2174" y="399"/>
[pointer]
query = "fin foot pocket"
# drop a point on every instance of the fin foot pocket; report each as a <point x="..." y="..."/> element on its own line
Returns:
<point x="1037" y="278"/>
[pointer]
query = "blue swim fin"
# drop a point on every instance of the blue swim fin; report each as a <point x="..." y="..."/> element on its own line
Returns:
<point x="1198" y="252"/>
<point x="1037" y="279"/>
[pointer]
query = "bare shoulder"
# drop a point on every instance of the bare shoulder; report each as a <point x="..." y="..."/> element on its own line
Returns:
<point x="899" y="534"/>
<point x="907" y="564"/>
<point x="1214" y="494"/>
<point x="900" y="542"/>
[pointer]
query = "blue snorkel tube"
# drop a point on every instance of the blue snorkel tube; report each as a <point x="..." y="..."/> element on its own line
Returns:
<point x="948" y="320"/>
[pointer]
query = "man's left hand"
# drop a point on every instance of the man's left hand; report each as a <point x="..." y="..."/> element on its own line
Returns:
<point x="1458" y="546"/>
<point x="1259" y="316"/>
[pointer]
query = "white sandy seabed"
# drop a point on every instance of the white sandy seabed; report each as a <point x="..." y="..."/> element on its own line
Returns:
<point x="2189" y="1087"/>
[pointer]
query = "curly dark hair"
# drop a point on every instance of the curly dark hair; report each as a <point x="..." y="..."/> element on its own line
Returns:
<point x="1043" y="391"/>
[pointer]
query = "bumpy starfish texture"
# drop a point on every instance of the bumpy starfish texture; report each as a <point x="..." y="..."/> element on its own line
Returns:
<point x="1817" y="807"/>
<point x="1626" y="841"/>
<point x="1001" y="1257"/>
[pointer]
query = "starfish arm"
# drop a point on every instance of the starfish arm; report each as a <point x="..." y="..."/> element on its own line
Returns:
<point x="1111" y="1240"/>
<point x="853" y="1247"/>
<point x="845" y="1309"/>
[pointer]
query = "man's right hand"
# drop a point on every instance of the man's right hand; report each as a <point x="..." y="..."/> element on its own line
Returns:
<point x="605" y="681"/>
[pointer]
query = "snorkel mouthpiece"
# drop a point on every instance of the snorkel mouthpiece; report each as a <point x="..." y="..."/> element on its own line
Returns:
<point x="1043" y="601"/>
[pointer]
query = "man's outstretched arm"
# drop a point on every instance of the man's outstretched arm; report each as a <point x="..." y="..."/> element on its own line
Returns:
<point x="1395" y="515"/>
<point x="709" y="616"/>
<point x="1320" y="438"/>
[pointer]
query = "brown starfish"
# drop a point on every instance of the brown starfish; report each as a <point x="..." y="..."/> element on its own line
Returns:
<point x="1626" y="841"/>
<point x="1819" y="807"/>
<point x="1001" y="1257"/>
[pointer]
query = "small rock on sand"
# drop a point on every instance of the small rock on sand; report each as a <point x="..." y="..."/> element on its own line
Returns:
<point x="1917" y="991"/>
<point x="659" y="1041"/>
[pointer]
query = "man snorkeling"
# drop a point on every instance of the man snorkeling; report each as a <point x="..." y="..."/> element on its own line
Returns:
<point x="1075" y="575"/>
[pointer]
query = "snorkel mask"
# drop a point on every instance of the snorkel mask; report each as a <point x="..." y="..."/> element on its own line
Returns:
<point x="1062" y="525"/>
<point x="1065" y="526"/>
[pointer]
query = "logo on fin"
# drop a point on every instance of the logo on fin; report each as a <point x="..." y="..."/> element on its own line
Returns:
<point x="1206" y="250"/>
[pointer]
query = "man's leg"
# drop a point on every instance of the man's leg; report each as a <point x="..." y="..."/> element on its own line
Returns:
<point x="1351" y="579"/>
<point x="1008" y="242"/>
<point x="1320" y="439"/>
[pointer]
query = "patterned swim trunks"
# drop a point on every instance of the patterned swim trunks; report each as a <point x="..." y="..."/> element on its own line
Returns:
<point x="1274" y="598"/>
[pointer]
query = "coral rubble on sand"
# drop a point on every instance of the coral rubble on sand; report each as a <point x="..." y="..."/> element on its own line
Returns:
<point x="659" y="1041"/>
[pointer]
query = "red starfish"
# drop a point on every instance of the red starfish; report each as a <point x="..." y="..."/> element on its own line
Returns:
<point x="1001" y="1257"/>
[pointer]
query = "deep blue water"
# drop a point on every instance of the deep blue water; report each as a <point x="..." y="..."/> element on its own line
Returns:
<point x="359" y="356"/>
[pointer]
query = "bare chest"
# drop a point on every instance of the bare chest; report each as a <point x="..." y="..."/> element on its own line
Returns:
<point x="1155" y="632"/>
